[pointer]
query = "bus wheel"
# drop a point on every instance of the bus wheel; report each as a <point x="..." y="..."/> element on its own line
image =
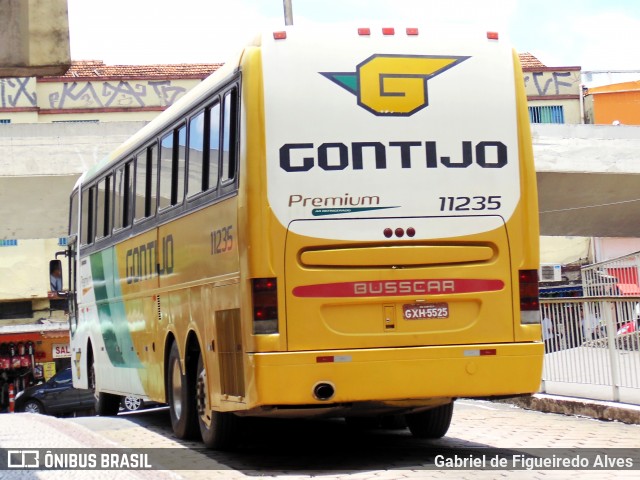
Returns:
<point x="218" y="429"/>
<point x="433" y="423"/>
<point x="106" y="404"/>
<point x="181" y="393"/>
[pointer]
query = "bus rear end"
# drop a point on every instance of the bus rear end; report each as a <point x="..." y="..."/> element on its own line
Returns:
<point x="397" y="265"/>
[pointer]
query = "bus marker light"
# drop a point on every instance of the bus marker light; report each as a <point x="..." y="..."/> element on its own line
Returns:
<point x="480" y="353"/>
<point x="399" y="232"/>
<point x="412" y="31"/>
<point x="388" y="232"/>
<point x="334" y="359"/>
<point x="388" y="31"/>
<point x="280" y="35"/>
<point x="492" y="35"/>
<point x="411" y="232"/>
<point x="364" y="31"/>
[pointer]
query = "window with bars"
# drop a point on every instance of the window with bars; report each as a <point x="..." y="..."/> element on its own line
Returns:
<point x="546" y="114"/>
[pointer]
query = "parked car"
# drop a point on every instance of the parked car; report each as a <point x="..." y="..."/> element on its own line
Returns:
<point x="56" y="396"/>
<point x="132" y="403"/>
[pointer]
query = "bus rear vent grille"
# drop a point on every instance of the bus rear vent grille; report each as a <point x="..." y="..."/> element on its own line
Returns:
<point x="159" y="309"/>
<point x="229" y="346"/>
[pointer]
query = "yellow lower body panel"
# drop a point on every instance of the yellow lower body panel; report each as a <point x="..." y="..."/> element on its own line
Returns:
<point x="413" y="373"/>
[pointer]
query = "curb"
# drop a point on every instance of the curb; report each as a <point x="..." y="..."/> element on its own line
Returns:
<point x="598" y="410"/>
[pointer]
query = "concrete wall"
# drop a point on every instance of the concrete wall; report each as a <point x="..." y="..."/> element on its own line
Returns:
<point x="610" y="248"/>
<point x="24" y="268"/>
<point x="34" y="38"/>
<point x="39" y="165"/>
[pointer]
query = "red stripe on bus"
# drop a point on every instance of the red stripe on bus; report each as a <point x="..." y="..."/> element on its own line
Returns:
<point x="395" y="288"/>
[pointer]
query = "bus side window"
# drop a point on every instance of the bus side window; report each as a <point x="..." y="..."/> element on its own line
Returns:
<point x="152" y="180"/>
<point x="122" y="197"/>
<point x="180" y="165"/>
<point x="103" y="210"/>
<point x="73" y="217"/>
<point x="214" y="147"/>
<point x="86" y="227"/>
<point x="196" y="179"/>
<point x="229" y="136"/>
<point x="140" y="186"/>
<point x="166" y="170"/>
<point x="146" y="176"/>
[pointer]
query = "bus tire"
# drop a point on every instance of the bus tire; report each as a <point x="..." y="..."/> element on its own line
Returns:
<point x="106" y="404"/>
<point x="432" y="423"/>
<point x="181" y="396"/>
<point x="218" y="429"/>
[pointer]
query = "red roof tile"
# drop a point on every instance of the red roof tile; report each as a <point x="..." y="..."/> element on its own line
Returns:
<point x="98" y="69"/>
<point x="529" y="61"/>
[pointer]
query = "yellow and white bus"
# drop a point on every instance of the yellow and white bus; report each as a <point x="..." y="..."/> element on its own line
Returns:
<point x="335" y="223"/>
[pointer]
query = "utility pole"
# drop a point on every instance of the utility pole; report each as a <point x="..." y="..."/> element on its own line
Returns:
<point x="288" y="12"/>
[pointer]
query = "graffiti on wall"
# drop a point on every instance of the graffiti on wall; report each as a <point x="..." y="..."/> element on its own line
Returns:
<point x="21" y="92"/>
<point x="17" y="92"/>
<point x="552" y="83"/>
<point x="112" y="94"/>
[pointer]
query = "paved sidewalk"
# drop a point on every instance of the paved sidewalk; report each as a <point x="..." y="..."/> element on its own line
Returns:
<point x="33" y="431"/>
<point x="599" y="410"/>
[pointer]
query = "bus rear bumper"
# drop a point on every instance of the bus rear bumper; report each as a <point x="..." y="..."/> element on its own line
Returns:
<point x="412" y="376"/>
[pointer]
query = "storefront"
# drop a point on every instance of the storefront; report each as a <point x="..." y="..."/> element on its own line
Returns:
<point x="30" y="354"/>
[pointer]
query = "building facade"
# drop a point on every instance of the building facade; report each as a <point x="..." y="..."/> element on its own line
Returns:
<point x="51" y="130"/>
<point x="554" y="94"/>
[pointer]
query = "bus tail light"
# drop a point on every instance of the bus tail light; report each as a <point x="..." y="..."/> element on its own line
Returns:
<point x="529" y="297"/>
<point x="265" y="305"/>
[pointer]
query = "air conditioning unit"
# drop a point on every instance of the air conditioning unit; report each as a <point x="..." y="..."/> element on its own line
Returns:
<point x="551" y="272"/>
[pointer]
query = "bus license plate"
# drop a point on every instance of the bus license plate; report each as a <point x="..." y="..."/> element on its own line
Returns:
<point x="419" y="311"/>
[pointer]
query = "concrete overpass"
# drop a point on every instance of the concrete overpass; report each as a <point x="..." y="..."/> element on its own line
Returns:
<point x="588" y="179"/>
<point x="588" y="176"/>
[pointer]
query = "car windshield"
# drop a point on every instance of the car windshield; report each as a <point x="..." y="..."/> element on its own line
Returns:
<point x="62" y="377"/>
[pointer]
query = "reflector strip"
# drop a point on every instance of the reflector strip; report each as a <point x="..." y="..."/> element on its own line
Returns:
<point x="396" y="288"/>
<point x="480" y="353"/>
<point x="334" y="359"/>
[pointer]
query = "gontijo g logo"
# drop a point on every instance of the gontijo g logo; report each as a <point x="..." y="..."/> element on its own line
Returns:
<point x="393" y="85"/>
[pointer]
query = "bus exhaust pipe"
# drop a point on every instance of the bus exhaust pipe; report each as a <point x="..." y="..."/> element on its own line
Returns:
<point x="323" y="391"/>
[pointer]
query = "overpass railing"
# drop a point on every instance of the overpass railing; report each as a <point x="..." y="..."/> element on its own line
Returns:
<point x="593" y="349"/>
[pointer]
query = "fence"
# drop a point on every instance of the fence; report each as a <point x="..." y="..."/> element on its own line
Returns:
<point x="592" y="347"/>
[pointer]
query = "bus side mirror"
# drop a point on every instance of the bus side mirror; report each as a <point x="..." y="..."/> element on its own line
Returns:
<point x="55" y="276"/>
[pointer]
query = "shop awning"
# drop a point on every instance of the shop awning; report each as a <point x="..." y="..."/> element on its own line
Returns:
<point x="563" y="290"/>
<point x="629" y="289"/>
